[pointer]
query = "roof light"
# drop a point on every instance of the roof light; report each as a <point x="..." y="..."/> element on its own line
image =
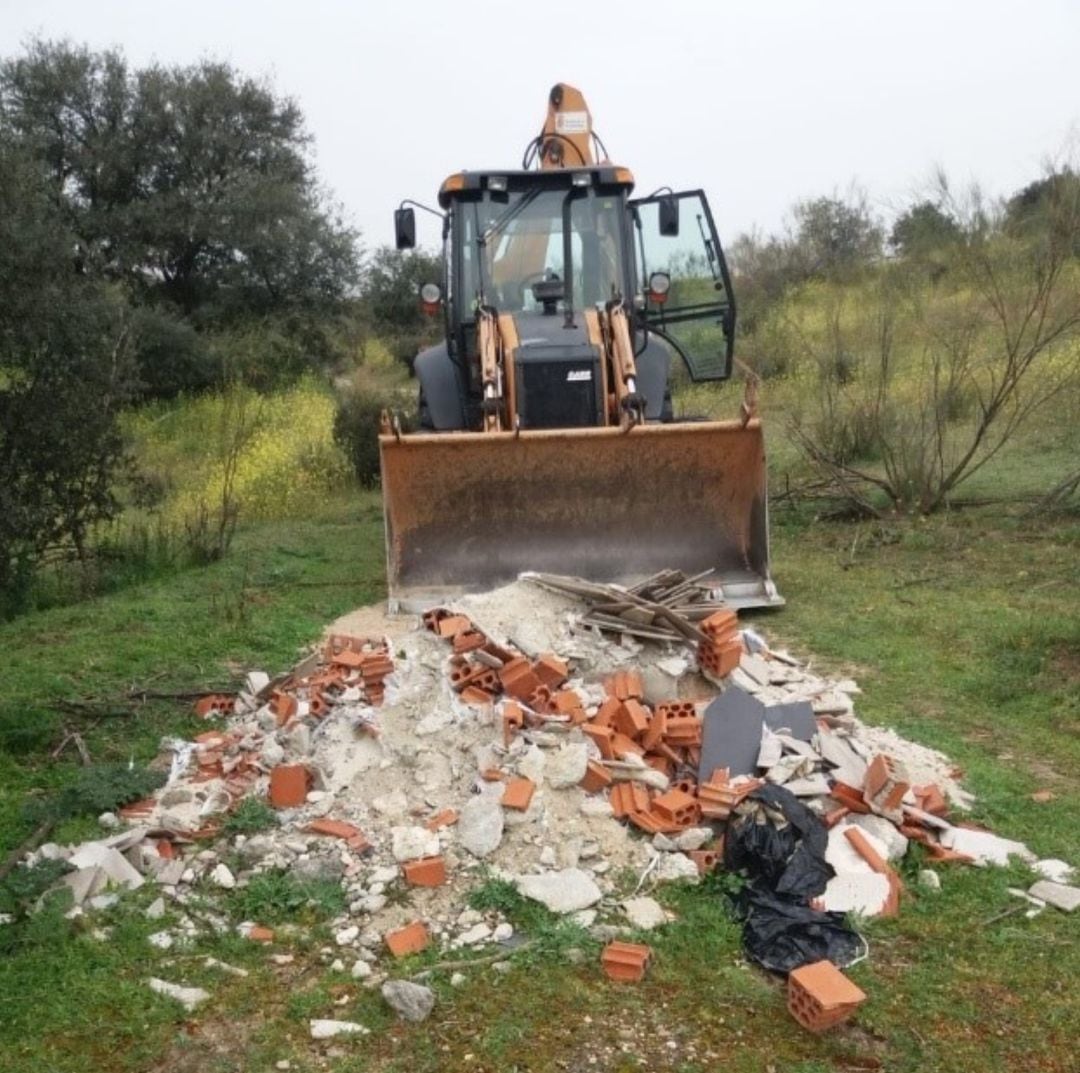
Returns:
<point x="497" y="183"/>
<point x="582" y="178"/>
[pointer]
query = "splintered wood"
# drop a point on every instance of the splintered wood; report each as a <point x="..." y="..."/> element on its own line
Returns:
<point x="664" y="607"/>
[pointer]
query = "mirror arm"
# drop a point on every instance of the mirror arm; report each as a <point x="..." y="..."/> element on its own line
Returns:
<point x="427" y="208"/>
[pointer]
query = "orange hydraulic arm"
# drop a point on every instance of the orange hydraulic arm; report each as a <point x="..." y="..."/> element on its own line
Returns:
<point x="566" y="140"/>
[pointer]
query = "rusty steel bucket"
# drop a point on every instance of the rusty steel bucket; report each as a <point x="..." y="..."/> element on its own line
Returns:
<point x="470" y="511"/>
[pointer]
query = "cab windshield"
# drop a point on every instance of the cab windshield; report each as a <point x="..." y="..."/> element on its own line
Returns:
<point x="513" y="250"/>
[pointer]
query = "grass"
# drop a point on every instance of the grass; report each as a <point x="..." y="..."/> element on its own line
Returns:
<point x="963" y="633"/>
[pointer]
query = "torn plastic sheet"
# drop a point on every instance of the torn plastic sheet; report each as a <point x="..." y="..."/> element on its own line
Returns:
<point x="785" y="859"/>
<point x="789" y="858"/>
<point x="781" y="934"/>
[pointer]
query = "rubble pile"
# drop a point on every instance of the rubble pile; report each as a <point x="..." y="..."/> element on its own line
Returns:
<point x="507" y="737"/>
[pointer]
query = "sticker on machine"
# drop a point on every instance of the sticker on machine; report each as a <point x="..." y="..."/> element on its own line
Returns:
<point x="572" y="123"/>
<point x="578" y="374"/>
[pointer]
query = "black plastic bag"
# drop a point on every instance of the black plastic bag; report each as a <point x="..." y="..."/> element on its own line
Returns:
<point x="787" y="868"/>
<point x="788" y="860"/>
<point x="781" y="934"/>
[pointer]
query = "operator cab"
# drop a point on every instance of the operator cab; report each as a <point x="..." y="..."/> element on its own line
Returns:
<point x="546" y="246"/>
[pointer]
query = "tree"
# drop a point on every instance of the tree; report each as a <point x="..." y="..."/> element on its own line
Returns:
<point x="922" y="230"/>
<point x="65" y="372"/>
<point x="947" y="375"/>
<point x="834" y="235"/>
<point x="390" y="299"/>
<point x="191" y="187"/>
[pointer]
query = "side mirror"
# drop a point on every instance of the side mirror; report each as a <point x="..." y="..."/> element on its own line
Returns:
<point x="404" y="229"/>
<point x="669" y="216"/>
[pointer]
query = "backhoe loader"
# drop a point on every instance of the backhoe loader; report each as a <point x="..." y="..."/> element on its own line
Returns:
<point x="546" y="438"/>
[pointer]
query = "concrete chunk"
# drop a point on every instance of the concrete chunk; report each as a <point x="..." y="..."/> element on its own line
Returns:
<point x="1059" y="895"/>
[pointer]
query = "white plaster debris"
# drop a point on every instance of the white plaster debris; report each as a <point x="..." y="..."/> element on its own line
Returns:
<point x="188" y="997"/>
<point x="321" y="1028"/>
<point x="428" y="755"/>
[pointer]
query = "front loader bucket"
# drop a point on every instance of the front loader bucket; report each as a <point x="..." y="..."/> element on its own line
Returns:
<point x="470" y="511"/>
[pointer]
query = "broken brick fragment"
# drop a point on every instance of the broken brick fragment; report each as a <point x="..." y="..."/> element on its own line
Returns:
<point x="410" y="939"/>
<point x="288" y="785"/>
<point x="605" y="715"/>
<point x="885" y="784"/>
<point x="259" y="934"/>
<point x="820" y="996"/>
<point x="625" y="962"/>
<point x="625" y="685"/>
<point x="451" y="625"/>
<point x="337" y="829"/>
<point x="627" y="797"/>
<point x="930" y="799"/>
<point x="551" y="670"/>
<point x="513" y="719"/>
<point x="621" y="745"/>
<point x="469" y="641"/>
<point x="425" y="872"/>
<point x="283" y="705"/>
<point x="632" y="718"/>
<point x="518" y="793"/>
<point x="445" y="818"/>
<point x="596" y="778"/>
<point x="603" y="737"/>
<point x="433" y="617"/>
<point x="707" y="860"/>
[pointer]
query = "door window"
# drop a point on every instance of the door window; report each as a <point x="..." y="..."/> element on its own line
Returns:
<point x="698" y="317"/>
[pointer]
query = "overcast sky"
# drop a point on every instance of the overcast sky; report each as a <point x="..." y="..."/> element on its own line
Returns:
<point x="761" y="102"/>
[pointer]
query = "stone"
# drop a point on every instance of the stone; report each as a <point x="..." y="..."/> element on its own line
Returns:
<point x="156" y="909"/>
<point x="1059" y="895"/>
<point x="412" y="843"/>
<point x="411" y="1002"/>
<point x="674" y="867"/>
<point x="503" y="933"/>
<point x="347" y="935"/>
<point x="566" y="766"/>
<point x="361" y="970"/>
<point x="326" y="1029"/>
<point x="161" y="939"/>
<point x="222" y="877"/>
<point x="109" y="820"/>
<point x="468" y="917"/>
<point x="693" y="838"/>
<point x="548" y="857"/>
<point x="562" y="892"/>
<point x="644" y="913"/>
<point x="532" y="764"/>
<point x="501" y="968"/>
<point x="478" y="933"/>
<point x="458" y="979"/>
<point x="664" y="844"/>
<point x="929" y="879"/>
<point x="392" y="804"/>
<point x="188" y="997"/>
<point x="480" y="825"/>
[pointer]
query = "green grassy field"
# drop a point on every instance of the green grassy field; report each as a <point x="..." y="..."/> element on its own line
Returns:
<point x="963" y="633"/>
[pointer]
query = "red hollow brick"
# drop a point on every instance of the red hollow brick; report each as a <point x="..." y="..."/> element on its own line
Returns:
<point x="820" y="996"/>
<point x="625" y="962"/>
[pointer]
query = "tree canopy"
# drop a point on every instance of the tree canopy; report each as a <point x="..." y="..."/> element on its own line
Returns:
<point x="191" y="188"/>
